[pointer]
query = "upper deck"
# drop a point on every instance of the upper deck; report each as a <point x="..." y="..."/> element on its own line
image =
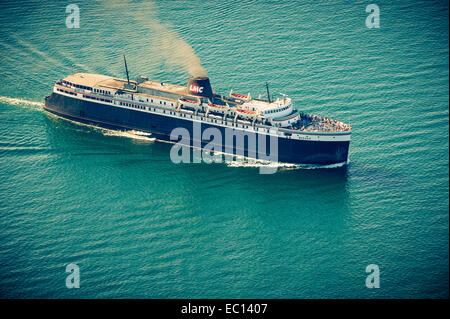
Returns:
<point x="102" y="82"/>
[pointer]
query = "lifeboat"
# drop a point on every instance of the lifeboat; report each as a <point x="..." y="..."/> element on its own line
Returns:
<point x="187" y="102"/>
<point x="240" y="96"/>
<point x="217" y="107"/>
<point x="248" y="112"/>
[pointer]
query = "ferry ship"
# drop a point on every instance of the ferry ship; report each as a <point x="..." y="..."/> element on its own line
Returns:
<point x="157" y="108"/>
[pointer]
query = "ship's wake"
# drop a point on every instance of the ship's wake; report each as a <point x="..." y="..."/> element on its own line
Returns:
<point x="21" y="102"/>
<point x="133" y="134"/>
<point x="248" y="162"/>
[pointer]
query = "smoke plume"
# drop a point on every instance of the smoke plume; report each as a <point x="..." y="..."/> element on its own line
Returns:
<point x="165" y="43"/>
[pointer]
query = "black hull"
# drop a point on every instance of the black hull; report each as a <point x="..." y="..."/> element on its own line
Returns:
<point x="111" y="117"/>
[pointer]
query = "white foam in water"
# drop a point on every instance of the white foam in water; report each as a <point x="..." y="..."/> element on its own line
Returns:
<point x="137" y="135"/>
<point x="287" y="166"/>
<point x="16" y="101"/>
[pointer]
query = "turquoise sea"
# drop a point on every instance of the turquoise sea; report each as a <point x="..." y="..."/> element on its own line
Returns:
<point x="140" y="226"/>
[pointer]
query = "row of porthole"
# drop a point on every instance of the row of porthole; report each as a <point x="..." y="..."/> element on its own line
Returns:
<point x="102" y="91"/>
<point x="64" y="91"/>
<point x="78" y="86"/>
<point x="278" y="110"/>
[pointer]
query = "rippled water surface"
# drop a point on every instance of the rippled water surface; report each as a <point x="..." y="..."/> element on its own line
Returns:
<point x="141" y="226"/>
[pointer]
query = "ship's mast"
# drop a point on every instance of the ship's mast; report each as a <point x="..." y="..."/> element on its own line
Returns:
<point x="126" y="69"/>
<point x="268" y="94"/>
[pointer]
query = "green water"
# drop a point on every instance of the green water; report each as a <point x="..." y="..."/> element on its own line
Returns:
<point x="141" y="226"/>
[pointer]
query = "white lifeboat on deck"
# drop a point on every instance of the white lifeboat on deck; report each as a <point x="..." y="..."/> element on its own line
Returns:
<point x="246" y="113"/>
<point x="240" y="96"/>
<point x="188" y="102"/>
<point x="217" y="107"/>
